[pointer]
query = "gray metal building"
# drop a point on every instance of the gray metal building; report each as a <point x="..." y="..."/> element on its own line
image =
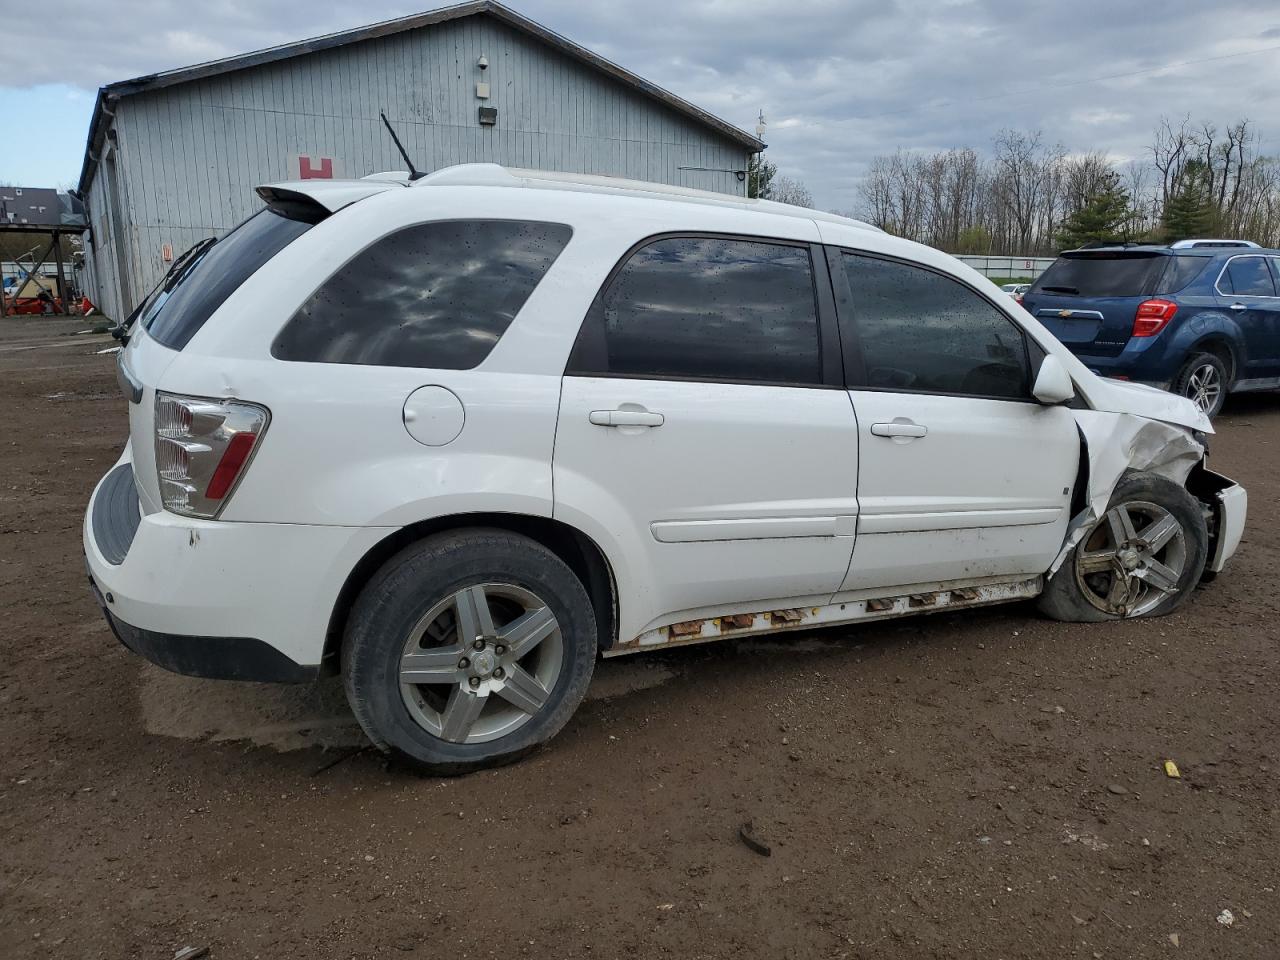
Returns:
<point x="173" y="157"/>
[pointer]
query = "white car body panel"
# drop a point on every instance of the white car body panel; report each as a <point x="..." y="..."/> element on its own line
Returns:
<point x="745" y="493"/>
<point x="746" y="499"/>
<point x="964" y="501"/>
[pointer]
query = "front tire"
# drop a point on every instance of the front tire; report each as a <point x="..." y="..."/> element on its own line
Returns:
<point x="468" y="650"/>
<point x="1203" y="381"/>
<point x="1142" y="558"/>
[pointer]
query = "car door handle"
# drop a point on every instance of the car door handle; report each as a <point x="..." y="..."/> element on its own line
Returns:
<point x="625" y="418"/>
<point x="897" y="429"/>
<point x="1238" y="306"/>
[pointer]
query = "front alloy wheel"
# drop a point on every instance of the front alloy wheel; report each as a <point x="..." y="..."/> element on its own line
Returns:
<point x="1142" y="558"/>
<point x="1133" y="560"/>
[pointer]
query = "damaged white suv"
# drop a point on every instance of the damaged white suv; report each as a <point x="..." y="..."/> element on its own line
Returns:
<point x="457" y="437"/>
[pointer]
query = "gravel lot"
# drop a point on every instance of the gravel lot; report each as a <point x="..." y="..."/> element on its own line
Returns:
<point x="987" y="784"/>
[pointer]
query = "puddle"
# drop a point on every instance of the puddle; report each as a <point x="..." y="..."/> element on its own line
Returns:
<point x="300" y="716"/>
<point x="617" y="678"/>
<point x="279" y="716"/>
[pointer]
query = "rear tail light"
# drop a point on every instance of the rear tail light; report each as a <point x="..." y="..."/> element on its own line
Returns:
<point x="1152" y="317"/>
<point x="202" y="448"/>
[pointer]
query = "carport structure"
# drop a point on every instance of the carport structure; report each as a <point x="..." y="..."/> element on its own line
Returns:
<point x="40" y="213"/>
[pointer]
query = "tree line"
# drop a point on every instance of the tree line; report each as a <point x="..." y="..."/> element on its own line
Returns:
<point x="1030" y="197"/>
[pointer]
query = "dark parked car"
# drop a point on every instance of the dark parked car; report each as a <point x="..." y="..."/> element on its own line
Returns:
<point x="1198" y="317"/>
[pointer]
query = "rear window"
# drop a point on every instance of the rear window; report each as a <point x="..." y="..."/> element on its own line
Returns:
<point x="436" y="295"/>
<point x="215" y="273"/>
<point x="1107" y="275"/>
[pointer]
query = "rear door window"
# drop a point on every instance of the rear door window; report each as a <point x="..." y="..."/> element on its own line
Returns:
<point x="1102" y="275"/>
<point x="201" y="286"/>
<point x="920" y="331"/>
<point x="1247" y="277"/>
<point x="706" y="308"/>
<point x="436" y="295"/>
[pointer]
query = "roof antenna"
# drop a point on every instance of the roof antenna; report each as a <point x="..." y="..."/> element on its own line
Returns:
<point x="414" y="173"/>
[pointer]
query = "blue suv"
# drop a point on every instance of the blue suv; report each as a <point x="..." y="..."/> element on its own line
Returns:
<point x="1198" y="317"/>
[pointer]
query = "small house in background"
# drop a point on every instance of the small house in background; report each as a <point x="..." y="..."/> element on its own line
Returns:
<point x="173" y="157"/>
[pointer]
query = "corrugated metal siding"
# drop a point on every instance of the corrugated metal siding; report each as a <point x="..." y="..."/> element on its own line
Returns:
<point x="190" y="155"/>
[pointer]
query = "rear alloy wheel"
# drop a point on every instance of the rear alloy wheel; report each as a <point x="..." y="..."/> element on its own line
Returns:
<point x="1203" y="381"/>
<point x="468" y="650"/>
<point x="482" y="663"/>
<point x="1142" y="558"/>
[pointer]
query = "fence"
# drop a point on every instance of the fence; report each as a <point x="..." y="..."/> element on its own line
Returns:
<point x="1005" y="267"/>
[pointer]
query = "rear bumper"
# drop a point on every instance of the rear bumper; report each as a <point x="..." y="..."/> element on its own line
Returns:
<point x="244" y="601"/>
<point x="215" y="658"/>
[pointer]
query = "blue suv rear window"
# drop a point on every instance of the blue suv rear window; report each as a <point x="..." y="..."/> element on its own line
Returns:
<point x="1103" y="275"/>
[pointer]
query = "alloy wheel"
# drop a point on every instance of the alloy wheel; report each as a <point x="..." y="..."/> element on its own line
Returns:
<point x="1132" y="560"/>
<point x="481" y="663"/>
<point x="1204" y="387"/>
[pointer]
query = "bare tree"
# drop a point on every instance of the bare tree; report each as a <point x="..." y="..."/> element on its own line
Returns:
<point x="790" y="190"/>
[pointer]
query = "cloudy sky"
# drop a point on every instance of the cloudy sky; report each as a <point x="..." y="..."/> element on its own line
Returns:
<point x="838" y="80"/>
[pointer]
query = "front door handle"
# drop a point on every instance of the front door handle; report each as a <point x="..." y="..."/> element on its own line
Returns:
<point x="1238" y="306"/>
<point x="899" y="429"/>
<point x="625" y="418"/>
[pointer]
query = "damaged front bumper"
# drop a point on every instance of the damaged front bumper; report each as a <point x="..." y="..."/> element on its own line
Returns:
<point x="1227" y="503"/>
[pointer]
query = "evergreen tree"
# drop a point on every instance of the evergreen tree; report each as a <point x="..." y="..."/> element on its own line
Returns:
<point x="1190" y="211"/>
<point x="760" y="174"/>
<point x="1102" y="218"/>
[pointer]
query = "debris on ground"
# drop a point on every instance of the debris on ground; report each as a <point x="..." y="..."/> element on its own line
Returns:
<point x="1118" y="790"/>
<point x="1171" y="770"/>
<point x="1175" y="940"/>
<point x="746" y="833"/>
<point x="191" y="953"/>
<point x="1226" y="918"/>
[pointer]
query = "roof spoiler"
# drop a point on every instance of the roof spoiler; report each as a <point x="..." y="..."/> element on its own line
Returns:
<point x="313" y="200"/>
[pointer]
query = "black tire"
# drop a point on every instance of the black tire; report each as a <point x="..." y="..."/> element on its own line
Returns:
<point x="1065" y="598"/>
<point x="1184" y="384"/>
<point x="422" y="577"/>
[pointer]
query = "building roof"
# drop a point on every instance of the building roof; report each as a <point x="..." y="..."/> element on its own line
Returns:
<point x="111" y="92"/>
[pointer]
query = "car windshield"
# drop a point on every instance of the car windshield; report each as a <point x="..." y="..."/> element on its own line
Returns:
<point x="1102" y="275"/>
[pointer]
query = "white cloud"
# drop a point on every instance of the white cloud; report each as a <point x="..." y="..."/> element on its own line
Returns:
<point x="846" y="79"/>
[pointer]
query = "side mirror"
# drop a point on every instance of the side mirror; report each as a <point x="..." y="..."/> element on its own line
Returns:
<point x="1053" y="384"/>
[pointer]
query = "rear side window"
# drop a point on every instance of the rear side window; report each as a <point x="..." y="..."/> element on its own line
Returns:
<point x="922" y="332"/>
<point x="1247" y="277"/>
<point x="436" y="295"/>
<point x="1181" y="271"/>
<point x="1110" y="275"/>
<point x="216" y="273"/>
<point x="706" y="308"/>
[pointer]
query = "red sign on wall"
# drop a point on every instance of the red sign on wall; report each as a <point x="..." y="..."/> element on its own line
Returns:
<point x="319" y="168"/>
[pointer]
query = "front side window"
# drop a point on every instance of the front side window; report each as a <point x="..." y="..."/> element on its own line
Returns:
<point x="436" y="295"/>
<point x="706" y="308"/>
<point x="1247" y="277"/>
<point x="921" y="331"/>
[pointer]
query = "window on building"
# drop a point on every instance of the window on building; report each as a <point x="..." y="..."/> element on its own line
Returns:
<point x="921" y="331"/>
<point x="436" y="295"/>
<point x="707" y="308"/>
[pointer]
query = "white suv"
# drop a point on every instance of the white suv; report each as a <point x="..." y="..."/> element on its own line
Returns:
<point x="458" y="436"/>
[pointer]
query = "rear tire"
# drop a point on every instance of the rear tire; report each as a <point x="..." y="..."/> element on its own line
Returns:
<point x="1203" y="381"/>
<point x="468" y="650"/>
<point x="1143" y="558"/>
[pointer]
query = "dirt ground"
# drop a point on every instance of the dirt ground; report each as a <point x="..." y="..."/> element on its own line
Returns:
<point x="987" y="784"/>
